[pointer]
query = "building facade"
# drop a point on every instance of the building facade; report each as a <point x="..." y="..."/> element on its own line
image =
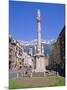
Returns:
<point x="15" y="54"/>
<point x="57" y="57"/>
<point x="61" y="40"/>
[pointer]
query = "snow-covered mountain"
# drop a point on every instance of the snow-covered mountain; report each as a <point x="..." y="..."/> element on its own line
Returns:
<point x="30" y="45"/>
<point x="34" y="42"/>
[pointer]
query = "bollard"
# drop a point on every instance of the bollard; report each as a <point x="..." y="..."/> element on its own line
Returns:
<point x="31" y="75"/>
<point x="44" y="74"/>
<point x="17" y="75"/>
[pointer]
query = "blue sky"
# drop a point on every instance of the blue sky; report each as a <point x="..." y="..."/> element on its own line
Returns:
<point x="23" y="23"/>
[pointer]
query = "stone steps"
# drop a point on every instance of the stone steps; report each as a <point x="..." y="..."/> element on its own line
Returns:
<point x="37" y="74"/>
<point x="51" y="74"/>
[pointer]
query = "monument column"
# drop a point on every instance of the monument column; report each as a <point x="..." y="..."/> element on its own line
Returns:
<point x="39" y="58"/>
<point x="38" y="32"/>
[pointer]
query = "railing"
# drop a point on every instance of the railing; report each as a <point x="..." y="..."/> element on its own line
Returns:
<point x="19" y="73"/>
